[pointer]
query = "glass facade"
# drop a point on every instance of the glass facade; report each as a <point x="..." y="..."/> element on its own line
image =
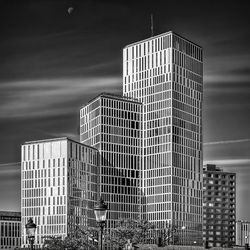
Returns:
<point x="165" y="73"/>
<point x="146" y="159"/>
<point x="112" y="124"/>
<point x="59" y="187"/>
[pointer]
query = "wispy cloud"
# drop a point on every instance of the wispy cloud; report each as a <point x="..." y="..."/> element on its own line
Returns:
<point x="226" y="142"/>
<point x="10" y="182"/>
<point x="229" y="68"/>
<point x="10" y="164"/>
<point x="9" y="168"/>
<point x="228" y="152"/>
<point x="9" y="171"/>
<point x="36" y="98"/>
<point x="233" y="162"/>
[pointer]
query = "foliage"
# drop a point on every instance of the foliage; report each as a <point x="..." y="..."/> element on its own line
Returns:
<point x="169" y="236"/>
<point x="53" y="242"/>
<point x="137" y="231"/>
<point x="79" y="239"/>
<point x="143" y="229"/>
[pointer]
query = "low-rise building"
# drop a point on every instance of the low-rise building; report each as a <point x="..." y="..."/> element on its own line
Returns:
<point x="10" y="226"/>
<point x="59" y="187"/>
<point x="242" y="233"/>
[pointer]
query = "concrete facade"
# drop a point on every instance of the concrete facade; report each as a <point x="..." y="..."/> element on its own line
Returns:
<point x="219" y="206"/>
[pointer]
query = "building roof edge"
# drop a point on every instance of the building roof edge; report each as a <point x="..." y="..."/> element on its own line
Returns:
<point x="162" y="34"/>
<point x="57" y="139"/>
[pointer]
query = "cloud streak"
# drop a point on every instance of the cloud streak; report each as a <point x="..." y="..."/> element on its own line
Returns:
<point x="52" y="97"/>
<point x="229" y="68"/>
<point x="229" y="162"/>
<point x="9" y="168"/>
<point x="226" y="142"/>
<point x="10" y="182"/>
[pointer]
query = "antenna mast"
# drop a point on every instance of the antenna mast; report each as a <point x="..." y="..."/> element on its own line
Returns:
<point x="152" y="25"/>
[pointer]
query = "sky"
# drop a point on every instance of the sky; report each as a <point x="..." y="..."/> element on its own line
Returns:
<point x="53" y="62"/>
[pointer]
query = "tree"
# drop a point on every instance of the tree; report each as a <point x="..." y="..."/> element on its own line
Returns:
<point x="54" y="242"/>
<point x="79" y="239"/>
<point x="137" y="231"/>
<point x="144" y="228"/>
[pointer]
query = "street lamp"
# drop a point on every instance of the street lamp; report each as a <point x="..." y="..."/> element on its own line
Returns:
<point x="194" y="244"/>
<point x="30" y="231"/>
<point x="246" y="242"/>
<point x="179" y="232"/>
<point x="100" y="210"/>
<point x="170" y="233"/>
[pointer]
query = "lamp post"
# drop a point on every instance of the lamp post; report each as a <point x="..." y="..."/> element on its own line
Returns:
<point x="194" y="243"/>
<point x="182" y="233"/>
<point x="100" y="210"/>
<point x="168" y="234"/>
<point x="179" y="232"/>
<point x="246" y="242"/>
<point x="30" y="231"/>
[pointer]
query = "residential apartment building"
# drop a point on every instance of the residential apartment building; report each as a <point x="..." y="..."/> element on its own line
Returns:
<point x="242" y="233"/>
<point x="58" y="187"/>
<point x="112" y="124"/>
<point x="219" y="206"/>
<point x="165" y="73"/>
<point x="10" y="230"/>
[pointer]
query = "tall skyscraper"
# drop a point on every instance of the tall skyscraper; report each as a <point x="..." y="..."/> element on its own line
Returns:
<point x="112" y="124"/>
<point x="149" y="163"/>
<point x="165" y="73"/>
<point x="219" y="210"/>
<point x="58" y="188"/>
<point x="10" y="230"/>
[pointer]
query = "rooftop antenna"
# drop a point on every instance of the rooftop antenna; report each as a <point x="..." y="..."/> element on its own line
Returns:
<point x="152" y="25"/>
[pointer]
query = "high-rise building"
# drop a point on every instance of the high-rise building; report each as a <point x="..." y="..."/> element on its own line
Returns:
<point x="149" y="163"/>
<point x="165" y="73"/>
<point x="58" y="188"/>
<point x="155" y="136"/>
<point x="219" y="206"/>
<point x="10" y="230"/>
<point x="112" y="124"/>
<point x="242" y="233"/>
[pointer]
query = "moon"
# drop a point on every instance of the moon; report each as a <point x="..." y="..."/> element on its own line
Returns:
<point x="70" y="10"/>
